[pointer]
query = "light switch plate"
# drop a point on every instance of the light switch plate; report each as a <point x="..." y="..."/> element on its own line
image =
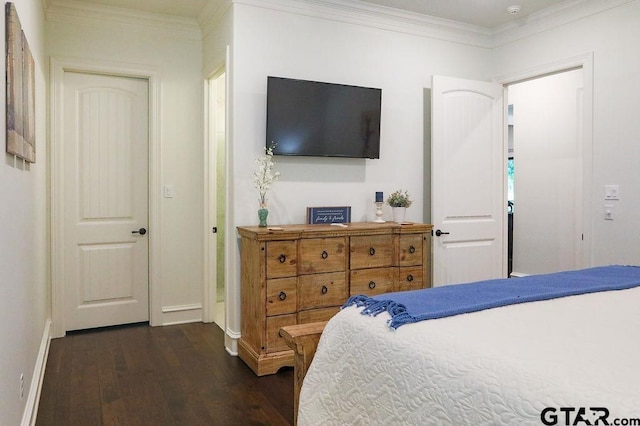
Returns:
<point x="169" y="191"/>
<point x="611" y="192"/>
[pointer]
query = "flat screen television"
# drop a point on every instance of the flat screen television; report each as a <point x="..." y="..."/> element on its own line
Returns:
<point x="312" y="118"/>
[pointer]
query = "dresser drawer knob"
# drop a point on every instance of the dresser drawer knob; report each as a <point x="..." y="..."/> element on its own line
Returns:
<point x="324" y="289"/>
<point x="372" y="285"/>
<point x="409" y="277"/>
<point x="324" y="254"/>
<point x="282" y="258"/>
<point x="282" y="295"/>
<point x="412" y="249"/>
<point x="372" y="251"/>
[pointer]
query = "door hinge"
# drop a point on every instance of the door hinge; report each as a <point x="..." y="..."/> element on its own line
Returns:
<point x="214" y="229"/>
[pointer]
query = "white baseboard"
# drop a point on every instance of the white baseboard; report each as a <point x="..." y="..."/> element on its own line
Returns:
<point x="181" y="314"/>
<point x="518" y="275"/>
<point x="33" y="398"/>
<point x="231" y="342"/>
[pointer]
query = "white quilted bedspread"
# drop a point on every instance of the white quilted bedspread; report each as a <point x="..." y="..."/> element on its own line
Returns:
<point x="496" y="367"/>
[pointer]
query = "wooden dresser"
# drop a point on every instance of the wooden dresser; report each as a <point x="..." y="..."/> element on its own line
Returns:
<point x="299" y="274"/>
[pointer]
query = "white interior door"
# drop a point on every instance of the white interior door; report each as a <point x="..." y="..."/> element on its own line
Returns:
<point x="105" y="185"/>
<point x="549" y="168"/>
<point x="468" y="204"/>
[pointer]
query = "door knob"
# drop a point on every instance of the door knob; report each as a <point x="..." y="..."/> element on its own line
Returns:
<point x="140" y="231"/>
<point x="439" y="232"/>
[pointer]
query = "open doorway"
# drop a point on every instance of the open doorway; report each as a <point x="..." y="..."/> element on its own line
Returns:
<point x="545" y="174"/>
<point x="216" y="198"/>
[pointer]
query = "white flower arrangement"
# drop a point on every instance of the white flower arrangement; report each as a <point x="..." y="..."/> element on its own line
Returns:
<point x="264" y="175"/>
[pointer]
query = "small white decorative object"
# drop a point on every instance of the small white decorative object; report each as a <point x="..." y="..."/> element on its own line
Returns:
<point x="379" y="203"/>
<point x="379" y="212"/>
<point x="398" y="214"/>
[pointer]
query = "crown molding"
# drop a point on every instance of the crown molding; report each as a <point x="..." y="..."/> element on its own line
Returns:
<point x="347" y="11"/>
<point x="390" y="19"/>
<point x="73" y="11"/>
<point x="551" y="17"/>
<point x="381" y="17"/>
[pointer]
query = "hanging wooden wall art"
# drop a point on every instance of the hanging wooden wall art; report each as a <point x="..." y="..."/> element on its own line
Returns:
<point x="20" y="79"/>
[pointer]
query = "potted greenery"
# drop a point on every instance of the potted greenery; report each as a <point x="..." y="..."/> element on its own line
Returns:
<point x="399" y="201"/>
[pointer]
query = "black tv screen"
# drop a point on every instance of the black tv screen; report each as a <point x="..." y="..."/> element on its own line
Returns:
<point x="323" y="119"/>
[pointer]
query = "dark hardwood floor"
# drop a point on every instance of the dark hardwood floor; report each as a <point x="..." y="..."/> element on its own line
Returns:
<point x="174" y="375"/>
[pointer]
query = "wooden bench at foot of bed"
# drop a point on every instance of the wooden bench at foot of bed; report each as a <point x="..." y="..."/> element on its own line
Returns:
<point x="303" y="339"/>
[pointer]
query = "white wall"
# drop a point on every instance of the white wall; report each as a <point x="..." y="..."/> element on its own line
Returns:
<point x="217" y="35"/>
<point x="616" y="128"/>
<point x="269" y="42"/>
<point x="275" y="43"/>
<point x="24" y="295"/>
<point x="176" y="55"/>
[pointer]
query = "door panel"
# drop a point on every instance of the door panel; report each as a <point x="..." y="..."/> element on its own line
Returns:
<point x="105" y="199"/>
<point x="468" y="180"/>
<point x="549" y="173"/>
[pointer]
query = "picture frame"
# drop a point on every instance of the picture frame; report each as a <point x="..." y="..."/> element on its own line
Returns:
<point x="328" y="215"/>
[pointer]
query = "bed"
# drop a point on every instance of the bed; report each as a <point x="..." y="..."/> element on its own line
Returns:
<point x="568" y="359"/>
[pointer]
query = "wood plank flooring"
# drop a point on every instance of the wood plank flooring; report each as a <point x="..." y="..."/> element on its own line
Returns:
<point x="174" y="375"/>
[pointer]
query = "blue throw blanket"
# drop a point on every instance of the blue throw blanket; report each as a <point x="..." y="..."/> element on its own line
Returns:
<point x="418" y="305"/>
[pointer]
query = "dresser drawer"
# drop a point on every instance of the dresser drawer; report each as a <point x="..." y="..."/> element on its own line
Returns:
<point x="371" y="251"/>
<point x="372" y="281"/>
<point x="275" y="343"/>
<point x="410" y="278"/>
<point x="410" y="250"/>
<point x="322" y="290"/>
<point x="282" y="296"/>
<point x="317" y="315"/>
<point x="282" y="259"/>
<point x="323" y="255"/>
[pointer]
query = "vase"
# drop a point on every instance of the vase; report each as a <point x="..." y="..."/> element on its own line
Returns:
<point x="398" y="214"/>
<point x="263" y="212"/>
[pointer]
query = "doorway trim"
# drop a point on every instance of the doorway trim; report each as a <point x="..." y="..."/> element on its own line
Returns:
<point x="58" y="66"/>
<point x="584" y="61"/>
<point x="210" y="203"/>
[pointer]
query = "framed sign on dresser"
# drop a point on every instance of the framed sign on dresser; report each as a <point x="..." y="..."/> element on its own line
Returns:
<point x="297" y="274"/>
